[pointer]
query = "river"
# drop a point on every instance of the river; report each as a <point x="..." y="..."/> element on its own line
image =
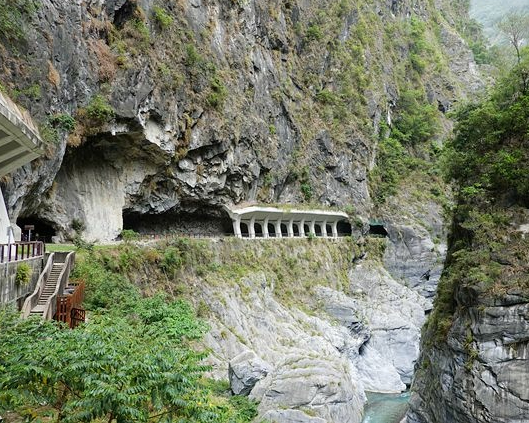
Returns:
<point x="386" y="408"/>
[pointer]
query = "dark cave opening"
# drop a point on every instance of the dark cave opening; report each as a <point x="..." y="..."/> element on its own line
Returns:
<point x="183" y="223"/>
<point x="43" y="229"/>
<point x="271" y="230"/>
<point x="377" y="229"/>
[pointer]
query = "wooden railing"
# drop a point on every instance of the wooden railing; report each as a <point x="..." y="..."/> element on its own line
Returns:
<point x="51" y="305"/>
<point x="33" y="299"/>
<point x="67" y="303"/>
<point x="21" y="251"/>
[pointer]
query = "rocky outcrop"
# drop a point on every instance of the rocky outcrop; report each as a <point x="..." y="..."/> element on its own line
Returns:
<point x="245" y="370"/>
<point x="313" y="355"/>
<point x="480" y="374"/>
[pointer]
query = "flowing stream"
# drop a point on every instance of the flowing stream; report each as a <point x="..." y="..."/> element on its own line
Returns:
<point x="386" y="408"/>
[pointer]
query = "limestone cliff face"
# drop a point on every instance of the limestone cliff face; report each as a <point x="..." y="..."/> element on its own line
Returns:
<point x="474" y="363"/>
<point x="228" y="101"/>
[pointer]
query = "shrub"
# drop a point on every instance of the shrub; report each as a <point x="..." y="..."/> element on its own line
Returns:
<point x="23" y="276"/>
<point x="99" y="109"/>
<point x="172" y="260"/>
<point x="129" y="235"/>
<point x="218" y="93"/>
<point x="162" y="18"/>
<point x="193" y="57"/>
<point x="78" y="225"/>
<point x="306" y="190"/>
<point x="63" y="121"/>
<point x="314" y="33"/>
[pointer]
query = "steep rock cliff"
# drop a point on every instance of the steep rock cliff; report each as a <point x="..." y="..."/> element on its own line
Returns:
<point x="183" y="107"/>
<point x="474" y="363"/>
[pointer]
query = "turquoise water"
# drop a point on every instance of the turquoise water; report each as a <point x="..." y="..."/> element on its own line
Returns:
<point x="386" y="408"/>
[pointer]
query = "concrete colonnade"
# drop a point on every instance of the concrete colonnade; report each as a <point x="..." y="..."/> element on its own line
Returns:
<point x="285" y="223"/>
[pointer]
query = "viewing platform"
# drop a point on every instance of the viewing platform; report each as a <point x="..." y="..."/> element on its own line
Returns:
<point x="20" y="142"/>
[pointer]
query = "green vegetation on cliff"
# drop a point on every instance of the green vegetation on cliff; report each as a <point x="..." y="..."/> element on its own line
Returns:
<point x="488" y="158"/>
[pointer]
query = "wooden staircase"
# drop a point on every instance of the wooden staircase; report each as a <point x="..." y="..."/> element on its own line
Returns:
<point x="49" y="289"/>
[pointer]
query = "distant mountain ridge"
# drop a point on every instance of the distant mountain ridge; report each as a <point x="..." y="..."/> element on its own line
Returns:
<point x="489" y="12"/>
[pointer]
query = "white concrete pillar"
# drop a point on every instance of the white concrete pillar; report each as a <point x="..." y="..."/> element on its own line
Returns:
<point x="5" y="224"/>
<point x="335" y="229"/>
<point x="237" y="227"/>
<point x="302" y="228"/>
<point x="277" y="226"/>
<point x="324" y="229"/>
<point x="290" y="228"/>
<point x="265" y="228"/>
<point x="312" y="230"/>
<point x="251" y="228"/>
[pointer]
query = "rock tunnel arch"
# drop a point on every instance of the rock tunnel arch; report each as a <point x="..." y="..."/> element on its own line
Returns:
<point x="198" y="222"/>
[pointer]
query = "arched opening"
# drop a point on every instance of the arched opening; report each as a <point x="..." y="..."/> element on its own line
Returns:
<point x="244" y="230"/>
<point x="344" y="228"/>
<point x="377" y="228"/>
<point x="306" y="229"/>
<point x="317" y="229"/>
<point x="295" y="228"/>
<point x="284" y="230"/>
<point x="328" y="230"/>
<point x="258" y="230"/>
<point x="43" y="229"/>
<point x="179" y="222"/>
<point x="271" y="230"/>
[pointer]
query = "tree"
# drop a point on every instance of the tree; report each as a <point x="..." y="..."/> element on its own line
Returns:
<point x="116" y="368"/>
<point x="515" y="26"/>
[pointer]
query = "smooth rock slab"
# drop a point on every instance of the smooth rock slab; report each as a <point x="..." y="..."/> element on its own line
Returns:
<point x="302" y="382"/>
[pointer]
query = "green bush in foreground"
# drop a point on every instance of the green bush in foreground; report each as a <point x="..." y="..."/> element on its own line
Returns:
<point x="133" y="361"/>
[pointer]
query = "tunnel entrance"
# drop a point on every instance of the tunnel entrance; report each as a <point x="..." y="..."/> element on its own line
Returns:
<point x="183" y="223"/>
<point x="43" y="231"/>
<point x="376" y="228"/>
